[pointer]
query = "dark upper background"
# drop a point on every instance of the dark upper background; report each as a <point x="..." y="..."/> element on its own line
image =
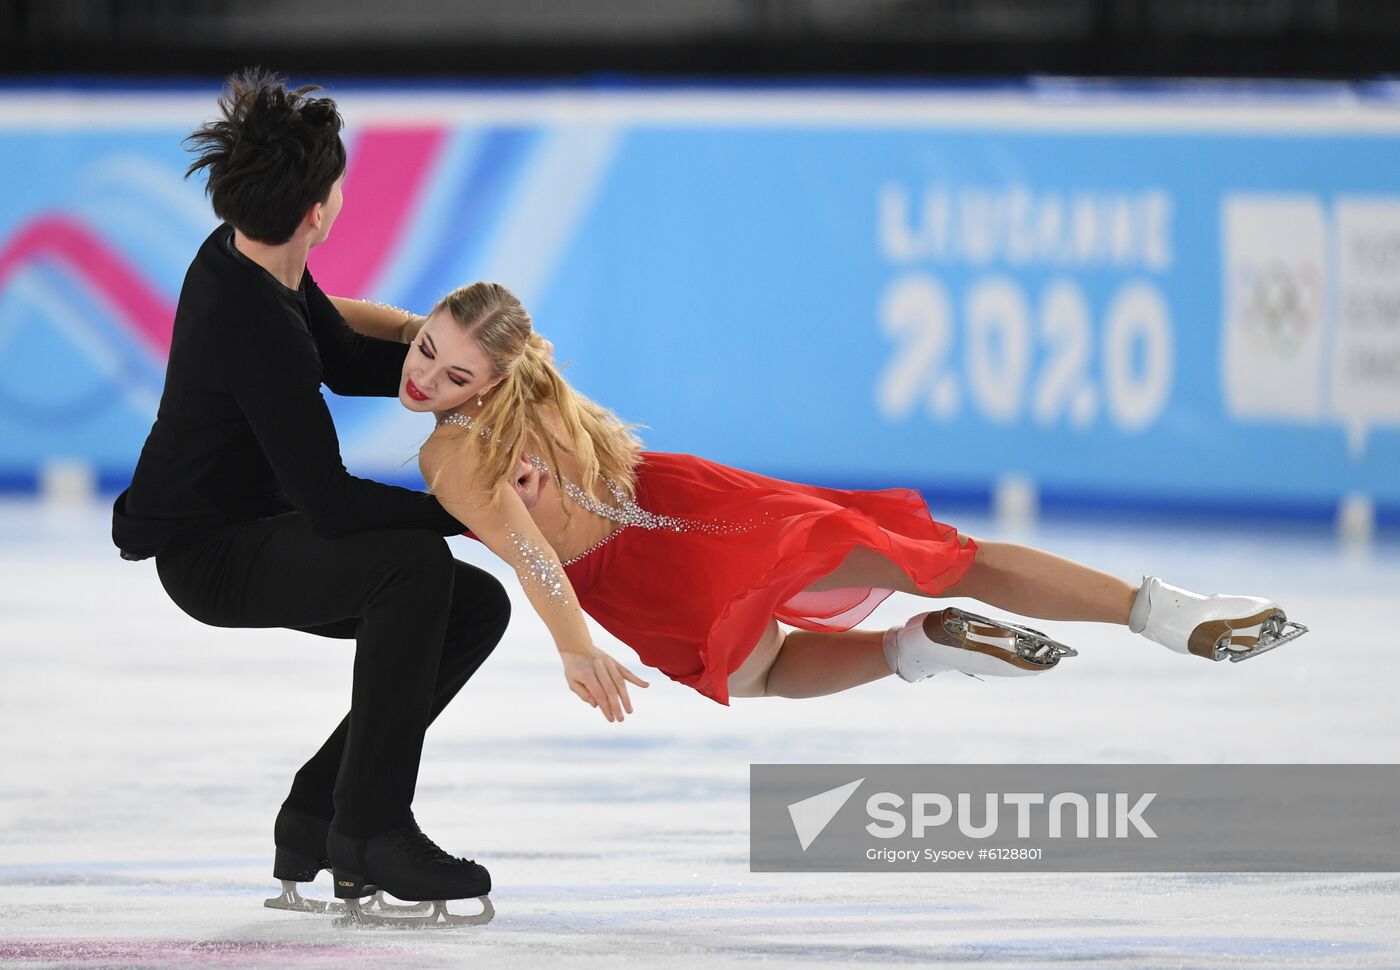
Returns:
<point x="571" y="39"/>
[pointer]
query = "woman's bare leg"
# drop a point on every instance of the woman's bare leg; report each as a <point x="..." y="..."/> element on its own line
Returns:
<point x="804" y="664"/>
<point x="1036" y="583"/>
<point x="1015" y="578"/>
<point x="815" y="664"/>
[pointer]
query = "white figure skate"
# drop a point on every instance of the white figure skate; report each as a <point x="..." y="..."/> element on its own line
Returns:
<point x="954" y="639"/>
<point x="1218" y="627"/>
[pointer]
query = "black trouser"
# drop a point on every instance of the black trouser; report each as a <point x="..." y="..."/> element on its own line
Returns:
<point x="422" y="621"/>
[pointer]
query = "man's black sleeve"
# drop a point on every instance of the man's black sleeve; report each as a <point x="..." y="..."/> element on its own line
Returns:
<point x="277" y="386"/>
<point x="353" y="365"/>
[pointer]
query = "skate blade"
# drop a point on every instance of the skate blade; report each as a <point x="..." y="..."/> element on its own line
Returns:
<point x="378" y="904"/>
<point x="1275" y="633"/>
<point x="438" y="918"/>
<point x="1031" y="646"/>
<point x="293" y="901"/>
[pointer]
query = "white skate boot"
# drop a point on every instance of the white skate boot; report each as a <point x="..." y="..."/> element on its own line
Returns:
<point x="954" y="639"/>
<point x="1215" y="627"/>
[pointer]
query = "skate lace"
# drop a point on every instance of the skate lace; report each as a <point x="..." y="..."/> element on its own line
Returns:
<point x="418" y="847"/>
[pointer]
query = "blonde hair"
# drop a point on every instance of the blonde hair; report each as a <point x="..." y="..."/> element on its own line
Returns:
<point x="514" y="411"/>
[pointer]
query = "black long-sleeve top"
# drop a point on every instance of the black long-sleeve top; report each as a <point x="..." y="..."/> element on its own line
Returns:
<point x="243" y="431"/>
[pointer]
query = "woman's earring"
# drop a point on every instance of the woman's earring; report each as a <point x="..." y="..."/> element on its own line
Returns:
<point x="478" y="399"/>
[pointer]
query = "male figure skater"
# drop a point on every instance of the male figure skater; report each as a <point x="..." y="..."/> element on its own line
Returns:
<point x="241" y="496"/>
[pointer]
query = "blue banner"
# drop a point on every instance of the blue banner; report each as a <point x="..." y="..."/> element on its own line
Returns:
<point x="1136" y="301"/>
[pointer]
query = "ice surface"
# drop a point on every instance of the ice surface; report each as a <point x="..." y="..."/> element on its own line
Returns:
<point x="143" y="755"/>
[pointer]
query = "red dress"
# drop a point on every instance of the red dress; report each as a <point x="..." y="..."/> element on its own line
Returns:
<point x="721" y="551"/>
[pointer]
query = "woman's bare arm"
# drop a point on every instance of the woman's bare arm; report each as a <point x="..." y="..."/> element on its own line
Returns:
<point x="502" y="522"/>
<point x="379" y="319"/>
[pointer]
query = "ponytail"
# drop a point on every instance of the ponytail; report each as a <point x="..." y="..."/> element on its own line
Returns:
<point x="606" y="448"/>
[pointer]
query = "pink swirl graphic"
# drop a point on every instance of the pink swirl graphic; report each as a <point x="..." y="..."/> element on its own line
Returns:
<point x="387" y="170"/>
<point x="145" y="312"/>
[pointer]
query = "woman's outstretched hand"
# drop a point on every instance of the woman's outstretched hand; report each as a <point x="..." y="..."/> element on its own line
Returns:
<point x="601" y="681"/>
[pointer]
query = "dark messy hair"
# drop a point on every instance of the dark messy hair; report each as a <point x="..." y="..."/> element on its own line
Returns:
<point x="271" y="155"/>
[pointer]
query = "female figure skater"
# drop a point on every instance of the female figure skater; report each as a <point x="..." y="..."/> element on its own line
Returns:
<point x="694" y="564"/>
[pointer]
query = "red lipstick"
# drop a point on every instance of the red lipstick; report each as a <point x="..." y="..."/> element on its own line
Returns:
<point x="413" y="391"/>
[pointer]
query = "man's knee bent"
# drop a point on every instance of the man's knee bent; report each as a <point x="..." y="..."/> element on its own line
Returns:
<point x="497" y="604"/>
<point x="480" y="598"/>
